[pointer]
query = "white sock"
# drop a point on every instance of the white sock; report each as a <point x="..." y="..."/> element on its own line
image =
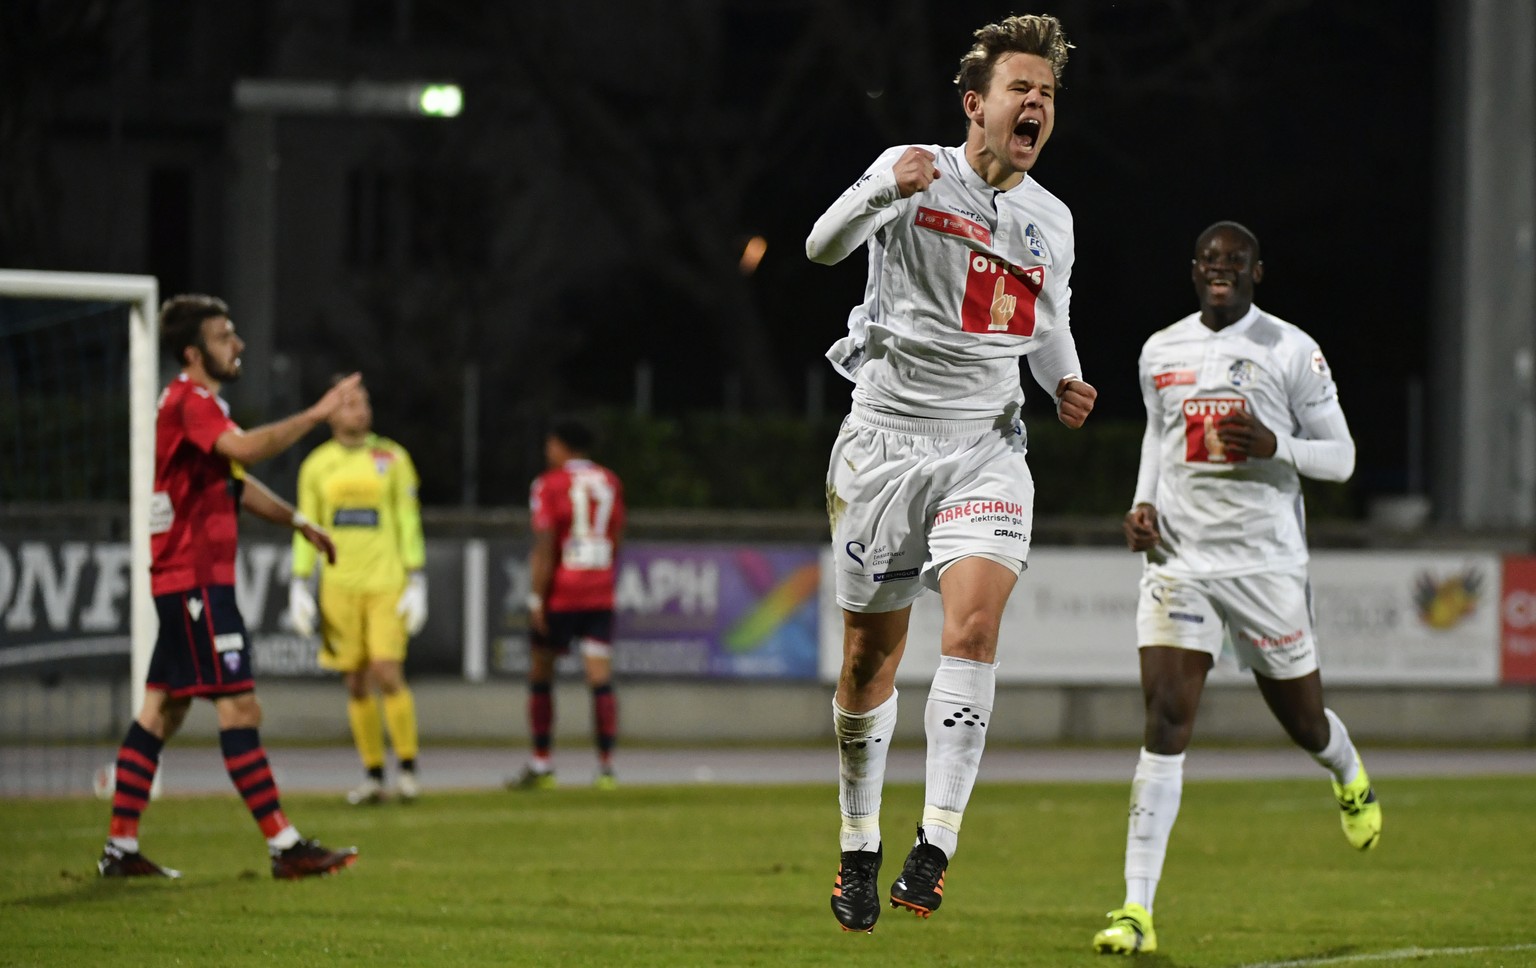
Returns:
<point x="1338" y="757"/>
<point x="284" y="838"/>
<point x="955" y="719"/>
<point x="863" y="740"/>
<point x="128" y="845"/>
<point x="1156" y="790"/>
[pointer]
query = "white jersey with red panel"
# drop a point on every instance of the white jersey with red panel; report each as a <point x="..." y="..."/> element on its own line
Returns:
<point x="1222" y="514"/>
<point x="963" y="280"/>
<point x="582" y="502"/>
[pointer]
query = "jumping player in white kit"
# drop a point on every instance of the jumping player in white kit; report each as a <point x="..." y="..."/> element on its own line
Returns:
<point x="969" y="268"/>
<point x="1240" y="406"/>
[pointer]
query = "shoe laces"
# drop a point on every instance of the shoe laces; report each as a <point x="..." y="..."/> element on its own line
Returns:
<point x="858" y="873"/>
<point x="928" y="865"/>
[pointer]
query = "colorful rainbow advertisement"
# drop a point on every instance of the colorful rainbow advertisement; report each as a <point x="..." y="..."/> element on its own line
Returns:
<point x="687" y="610"/>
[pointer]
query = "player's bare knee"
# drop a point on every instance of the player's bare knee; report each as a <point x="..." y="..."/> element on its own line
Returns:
<point x="389" y="677"/>
<point x="239" y="712"/>
<point x="356" y="683"/>
<point x="973" y="637"/>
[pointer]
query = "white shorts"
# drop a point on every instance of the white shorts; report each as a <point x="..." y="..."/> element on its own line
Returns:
<point x="906" y="496"/>
<point x="1267" y="618"/>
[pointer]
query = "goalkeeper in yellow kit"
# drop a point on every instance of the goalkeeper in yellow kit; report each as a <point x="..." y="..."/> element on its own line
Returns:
<point x="363" y="488"/>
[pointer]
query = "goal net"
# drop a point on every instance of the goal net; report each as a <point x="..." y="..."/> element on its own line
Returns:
<point x="78" y="378"/>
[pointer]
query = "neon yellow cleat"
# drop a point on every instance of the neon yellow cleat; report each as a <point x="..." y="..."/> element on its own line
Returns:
<point x="532" y="779"/>
<point x="605" y="780"/>
<point x="1361" y="814"/>
<point x="1129" y="932"/>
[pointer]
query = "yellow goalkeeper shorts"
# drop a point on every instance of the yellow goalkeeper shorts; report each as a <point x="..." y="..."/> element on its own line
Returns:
<point x="357" y="628"/>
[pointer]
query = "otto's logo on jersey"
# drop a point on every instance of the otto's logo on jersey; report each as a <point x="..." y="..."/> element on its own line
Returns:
<point x="1242" y="373"/>
<point x="1035" y="240"/>
<point x="1201" y="443"/>
<point x="1000" y="298"/>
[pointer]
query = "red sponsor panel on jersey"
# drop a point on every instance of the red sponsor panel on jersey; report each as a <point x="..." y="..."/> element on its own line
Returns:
<point x="999" y="297"/>
<point x="193" y="527"/>
<point x="1201" y="415"/>
<point x="583" y="504"/>
<point x="952" y="224"/>
<point x="1517" y="612"/>
<point x="1172" y="378"/>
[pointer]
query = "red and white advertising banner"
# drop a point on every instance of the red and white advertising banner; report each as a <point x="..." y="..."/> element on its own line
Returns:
<point x="1518" y="613"/>
<point x="1382" y="618"/>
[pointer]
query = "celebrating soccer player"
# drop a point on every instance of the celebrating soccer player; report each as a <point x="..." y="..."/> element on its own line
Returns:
<point x="202" y="649"/>
<point x="969" y="267"/>
<point x="374" y="597"/>
<point x="1240" y="405"/>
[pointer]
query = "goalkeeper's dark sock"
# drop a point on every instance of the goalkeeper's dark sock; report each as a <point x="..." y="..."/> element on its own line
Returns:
<point x="137" y="760"/>
<point x="246" y="762"/>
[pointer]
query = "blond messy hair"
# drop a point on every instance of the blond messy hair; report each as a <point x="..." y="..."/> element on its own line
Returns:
<point x="1038" y="34"/>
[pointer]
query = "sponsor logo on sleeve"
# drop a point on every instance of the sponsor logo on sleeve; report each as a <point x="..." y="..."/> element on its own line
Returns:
<point x="1319" y="365"/>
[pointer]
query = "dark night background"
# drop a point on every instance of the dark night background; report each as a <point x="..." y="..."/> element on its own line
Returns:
<point x="587" y="211"/>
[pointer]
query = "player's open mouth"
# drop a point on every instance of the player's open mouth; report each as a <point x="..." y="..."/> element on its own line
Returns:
<point x="1027" y="131"/>
<point x="1219" y="285"/>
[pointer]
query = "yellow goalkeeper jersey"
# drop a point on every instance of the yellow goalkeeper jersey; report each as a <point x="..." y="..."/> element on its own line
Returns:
<point x="365" y="496"/>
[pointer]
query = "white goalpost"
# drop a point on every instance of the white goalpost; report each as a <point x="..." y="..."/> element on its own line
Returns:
<point x="142" y="296"/>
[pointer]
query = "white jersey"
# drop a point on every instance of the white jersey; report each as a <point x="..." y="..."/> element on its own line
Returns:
<point x="1221" y="514"/>
<point x="963" y="280"/>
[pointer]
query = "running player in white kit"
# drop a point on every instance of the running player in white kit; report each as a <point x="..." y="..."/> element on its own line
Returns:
<point x="969" y="267"/>
<point x="1240" y="406"/>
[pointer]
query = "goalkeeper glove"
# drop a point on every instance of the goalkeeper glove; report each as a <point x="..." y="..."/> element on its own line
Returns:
<point x="301" y="607"/>
<point x="413" y="603"/>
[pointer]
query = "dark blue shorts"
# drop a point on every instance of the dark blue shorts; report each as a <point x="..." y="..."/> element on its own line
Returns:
<point x="566" y="628"/>
<point x="202" y="648"/>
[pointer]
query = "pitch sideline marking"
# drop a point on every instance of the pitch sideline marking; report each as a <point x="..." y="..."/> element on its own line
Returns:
<point x="1384" y="955"/>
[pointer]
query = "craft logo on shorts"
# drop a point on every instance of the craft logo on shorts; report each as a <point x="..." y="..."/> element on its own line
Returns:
<point x="1201" y="415"/>
<point x="999" y="297"/>
<point x="1242" y="373"/>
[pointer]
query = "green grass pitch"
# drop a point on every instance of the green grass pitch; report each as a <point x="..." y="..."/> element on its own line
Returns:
<point x="1258" y="873"/>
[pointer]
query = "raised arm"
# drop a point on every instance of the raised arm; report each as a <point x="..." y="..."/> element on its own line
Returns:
<point x="256" y="445"/>
<point x="870" y="203"/>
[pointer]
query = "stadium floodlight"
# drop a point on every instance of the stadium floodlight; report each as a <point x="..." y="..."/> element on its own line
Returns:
<point x="422" y="99"/>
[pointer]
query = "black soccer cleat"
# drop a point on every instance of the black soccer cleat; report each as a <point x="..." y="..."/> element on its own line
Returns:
<point x="116" y="862"/>
<point x="920" y="888"/>
<point x="310" y="858"/>
<point x="856" y="896"/>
